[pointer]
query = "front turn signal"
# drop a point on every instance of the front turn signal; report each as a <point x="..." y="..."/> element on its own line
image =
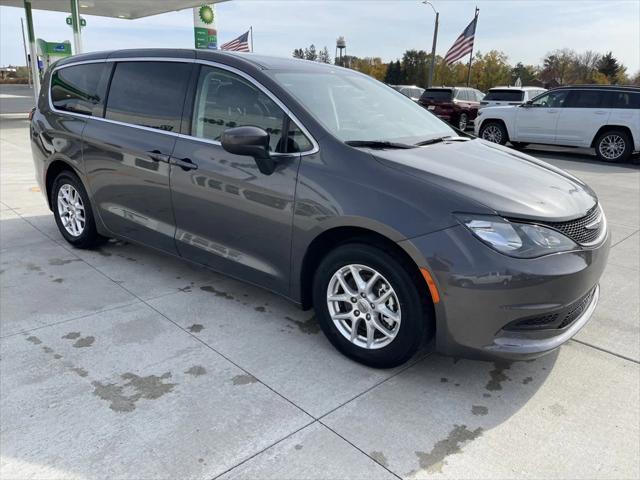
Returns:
<point x="435" y="296"/>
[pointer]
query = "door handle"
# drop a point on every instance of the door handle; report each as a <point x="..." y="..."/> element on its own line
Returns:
<point x="600" y="112"/>
<point x="158" y="156"/>
<point x="184" y="163"/>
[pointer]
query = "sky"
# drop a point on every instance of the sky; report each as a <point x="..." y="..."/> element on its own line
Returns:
<point x="523" y="29"/>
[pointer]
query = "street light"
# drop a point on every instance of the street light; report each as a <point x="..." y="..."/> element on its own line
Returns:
<point x="433" y="48"/>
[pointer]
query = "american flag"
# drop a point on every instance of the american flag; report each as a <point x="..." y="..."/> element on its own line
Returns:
<point x="240" y="44"/>
<point x="463" y="44"/>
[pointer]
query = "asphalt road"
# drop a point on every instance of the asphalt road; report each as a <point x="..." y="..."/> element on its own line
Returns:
<point x="15" y="98"/>
<point x="123" y="363"/>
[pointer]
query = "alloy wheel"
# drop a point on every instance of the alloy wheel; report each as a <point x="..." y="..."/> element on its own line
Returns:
<point x="71" y="210"/>
<point x="612" y="146"/>
<point x="462" y="122"/>
<point x="364" y="306"/>
<point x="492" y="133"/>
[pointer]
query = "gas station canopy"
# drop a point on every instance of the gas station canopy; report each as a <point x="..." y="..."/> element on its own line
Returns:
<point x="130" y="9"/>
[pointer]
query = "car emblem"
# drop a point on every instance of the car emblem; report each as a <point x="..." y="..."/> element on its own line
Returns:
<point x="595" y="224"/>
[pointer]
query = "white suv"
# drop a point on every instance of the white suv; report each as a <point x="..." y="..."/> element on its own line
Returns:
<point x="606" y="118"/>
<point x="497" y="96"/>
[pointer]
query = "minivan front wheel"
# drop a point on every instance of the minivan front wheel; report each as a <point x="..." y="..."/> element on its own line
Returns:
<point x="613" y="146"/>
<point x="494" y="132"/>
<point x="369" y="306"/>
<point x="72" y="211"/>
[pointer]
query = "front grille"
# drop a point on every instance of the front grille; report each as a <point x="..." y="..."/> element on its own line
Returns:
<point x="584" y="230"/>
<point x="557" y="319"/>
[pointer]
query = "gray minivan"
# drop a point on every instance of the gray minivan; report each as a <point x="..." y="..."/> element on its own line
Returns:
<point x="325" y="186"/>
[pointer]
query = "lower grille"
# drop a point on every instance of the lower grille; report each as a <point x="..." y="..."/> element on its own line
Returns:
<point x="557" y="319"/>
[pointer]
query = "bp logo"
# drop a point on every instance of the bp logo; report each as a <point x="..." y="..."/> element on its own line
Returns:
<point x="206" y="14"/>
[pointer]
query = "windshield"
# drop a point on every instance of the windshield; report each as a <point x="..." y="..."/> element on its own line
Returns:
<point x="355" y="107"/>
<point x="437" y="94"/>
<point x="505" y="95"/>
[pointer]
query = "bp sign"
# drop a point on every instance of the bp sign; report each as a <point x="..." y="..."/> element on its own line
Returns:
<point x="69" y="20"/>
<point x="204" y="27"/>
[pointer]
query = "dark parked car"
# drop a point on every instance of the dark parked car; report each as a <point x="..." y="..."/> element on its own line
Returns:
<point x="456" y="105"/>
<point x="327" y="187"/>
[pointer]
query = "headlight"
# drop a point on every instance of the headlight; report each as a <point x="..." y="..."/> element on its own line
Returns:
<point x="522" y="240"/>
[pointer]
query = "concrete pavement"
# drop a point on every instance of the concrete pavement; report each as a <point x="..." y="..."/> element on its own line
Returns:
<point x="126" y="363"/>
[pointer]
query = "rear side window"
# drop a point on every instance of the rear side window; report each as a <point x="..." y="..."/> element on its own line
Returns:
<point x="584" y="99"/>
<point x="150" y="94"/>
<point x="623" y="100"/>
<point x="505" y="95"/>
<point x="80" y="88"/>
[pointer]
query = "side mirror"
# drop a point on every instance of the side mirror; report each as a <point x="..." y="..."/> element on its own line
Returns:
<point x="251" y="141"/>
<point x="527" y="104"/>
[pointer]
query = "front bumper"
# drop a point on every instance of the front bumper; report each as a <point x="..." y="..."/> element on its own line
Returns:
<point x="493" y="305"/>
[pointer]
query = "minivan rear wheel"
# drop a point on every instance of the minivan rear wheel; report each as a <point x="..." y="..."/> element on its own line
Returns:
<point x="613" y="146"/>
<point x="72" y="211"/>
<point x="369" y="305"/>
<point x="494" y="132"/>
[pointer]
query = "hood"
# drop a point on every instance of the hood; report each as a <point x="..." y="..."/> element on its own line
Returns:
<point x="509" y="182"/>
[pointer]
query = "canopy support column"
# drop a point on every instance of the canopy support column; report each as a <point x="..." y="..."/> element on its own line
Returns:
<point x="33" y="51"/>
<point x="75" y="23"/>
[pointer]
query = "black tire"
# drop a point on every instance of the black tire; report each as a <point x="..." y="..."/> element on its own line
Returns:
<point x="519" y="145"/>
<point x="494" y="132"/>
<point x="412" y="293"/>
<point x="89" y="236"/>
<point x="463" y="122"/>
<point x="604" y="154"/>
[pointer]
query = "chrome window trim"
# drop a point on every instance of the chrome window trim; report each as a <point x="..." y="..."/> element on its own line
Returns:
<point x="315" y="147"/>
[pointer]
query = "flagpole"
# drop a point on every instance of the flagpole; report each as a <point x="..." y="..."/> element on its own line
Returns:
<point x="251" y="31"/>
<point x="471" y="52"/>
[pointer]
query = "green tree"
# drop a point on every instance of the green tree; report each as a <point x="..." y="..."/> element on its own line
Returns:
<point x="323" y="55"/>
<point x="298" y="53"/>
<point x="526" y="74"/>
<point x="310" y="53"/>
<point x="608" y="65"/>
<point x="415" y="66"/>
<point x="490" y="70"/>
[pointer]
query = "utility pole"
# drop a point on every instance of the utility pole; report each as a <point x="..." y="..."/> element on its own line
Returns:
<point x="433" y="47"/>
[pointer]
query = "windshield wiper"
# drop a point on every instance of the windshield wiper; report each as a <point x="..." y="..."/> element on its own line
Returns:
<point x="431" y="141"/>
<point x="377" y="144"/>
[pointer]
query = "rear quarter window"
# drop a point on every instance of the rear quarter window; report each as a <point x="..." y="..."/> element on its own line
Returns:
<point x="80" y="88"/>
<point x="623" y="100"/>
